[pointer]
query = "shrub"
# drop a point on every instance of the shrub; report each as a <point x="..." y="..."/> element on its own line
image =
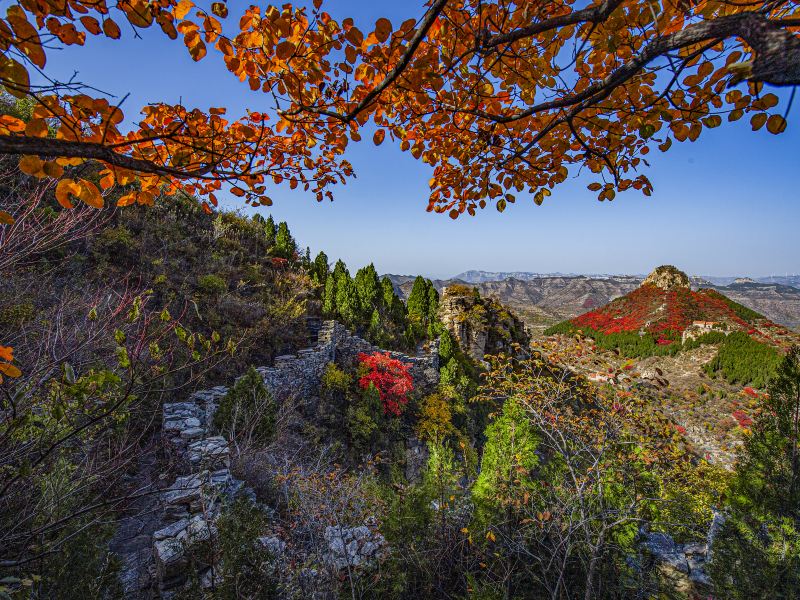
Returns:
<point x="390" y="377"/>
<point x="247" y="412"/>
<point x="212" y="285"/>
<point x="16" y="314"/>
<point x="363" y="416"/>
<point x="243" y="571"/>
<point x="335" y="386"/>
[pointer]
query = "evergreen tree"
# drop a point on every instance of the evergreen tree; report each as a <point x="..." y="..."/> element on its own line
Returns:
<point x="347" y="306"/>
<point x="375" y="329"/>
<point x="418" y="300"/>
<point x="393" y="306"/>
<point x="339" y="269"/>
<point x="757" y="551"/>
<point x="447" y="347"/>
<point x="319" y="268"/>
<point x="329" y="298"/>
<point x="433" y="302"/>
<point x="270" y="231"/>
<point x="284" y="243"/>
<point x="509" y="459"/>
<point x="368" y="290"/>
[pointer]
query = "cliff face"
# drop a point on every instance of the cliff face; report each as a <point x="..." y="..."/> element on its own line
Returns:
<point x="481" y="325"/>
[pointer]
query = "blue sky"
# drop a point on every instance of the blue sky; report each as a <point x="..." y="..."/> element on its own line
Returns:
<point x="728" y="204"/>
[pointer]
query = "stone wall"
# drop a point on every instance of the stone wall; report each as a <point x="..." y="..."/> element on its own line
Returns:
<point x="191" y="504"/>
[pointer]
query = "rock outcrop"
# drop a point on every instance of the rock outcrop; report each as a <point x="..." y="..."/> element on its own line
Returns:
<point x="481" y="325"/>
<point x="667" y="277"/>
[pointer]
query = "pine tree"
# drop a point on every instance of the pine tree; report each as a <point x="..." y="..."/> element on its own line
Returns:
<point x="433" y="302"/>
<point x="329" y="298"/>
<point x="284" y="243"/>
<point x="375" y="329"/>
<point x="757" y="551"/>
<point x="393" y="306"/>
<point x="319" y="268"/>
<point x="339" y="269"/>
<point x="446" y="347"/>
<point x="418" y="300"/>
<point x="368" y="290"/>
<point x="270" y="231"/>
<point x="346" y="300"/>
<point x="509" y="459"/>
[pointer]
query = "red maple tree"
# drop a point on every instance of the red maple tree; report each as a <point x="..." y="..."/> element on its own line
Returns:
<point x="390" y="377"/>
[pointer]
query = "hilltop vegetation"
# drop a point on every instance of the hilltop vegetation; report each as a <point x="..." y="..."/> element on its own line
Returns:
<point x="664" y="317"/>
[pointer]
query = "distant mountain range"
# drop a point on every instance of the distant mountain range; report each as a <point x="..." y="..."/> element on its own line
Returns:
<point x="474" y="276"/>
<point x="542" y="300"/>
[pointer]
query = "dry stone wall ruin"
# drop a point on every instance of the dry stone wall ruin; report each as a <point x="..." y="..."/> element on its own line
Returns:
<point x="191" y="504"/>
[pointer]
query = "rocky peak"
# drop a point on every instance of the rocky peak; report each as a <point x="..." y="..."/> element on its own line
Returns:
<point x="480" y="325"/>
<point x="667" y="277"/>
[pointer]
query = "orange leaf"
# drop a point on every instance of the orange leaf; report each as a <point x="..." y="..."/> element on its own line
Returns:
<point x="65" y="189"/>
<point x="383" y="28"/>
<point x="90" y="194"/>
<point x="284" y="50"/>
<point x="6" y="218"/>
<point x="757" y="121"/>
<point x="378" y="137"/>
<point x="111" y="29"/>
<point x="36" y="128"/>
<point x="127" y="199"/>
<point x="776" y="124"/>
<point x="32" y="165"/>
<point x="52" y="169"/>
<point x="220" y="9"/>
<point x="10" y="370"/>
<point x="183" y="8"/>
<point x="91" y="25"/>
<point x="7" y="353"/>
<point x="17" y="80"/>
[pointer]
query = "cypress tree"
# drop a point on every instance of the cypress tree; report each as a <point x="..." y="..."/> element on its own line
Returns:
<point x="418" y="300"/>
<point x="346" y="300"/>
<point x="393" y="306"/>
<point x="270" y="231"/>
<point x="368" y="289"/>
<point x="329" y="298"/>
<point x="756" y="553"/>
<point x="284" y="243"/>
<point x="433" y="302"/>
<point x="339" y="269"/>
<point x="320" y="267"/>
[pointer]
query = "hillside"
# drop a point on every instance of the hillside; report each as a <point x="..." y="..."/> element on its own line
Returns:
<point x="665" y="313"/>
<point x="544" y="300"/>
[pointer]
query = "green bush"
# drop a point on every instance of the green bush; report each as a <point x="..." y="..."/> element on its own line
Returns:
<point x="212" y="285"/>
<point x="363" y="416"/>
<point x="334" y="390"/>
<point x="247" y="411"/>
<point x="244" y="572"/>
<point x="16" y="314"/>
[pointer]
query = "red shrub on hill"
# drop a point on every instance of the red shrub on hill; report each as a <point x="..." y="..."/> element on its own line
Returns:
<point x="390" y="377"/>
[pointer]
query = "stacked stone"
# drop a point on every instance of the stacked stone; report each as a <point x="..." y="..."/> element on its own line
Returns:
<point x="192" y="502"/>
